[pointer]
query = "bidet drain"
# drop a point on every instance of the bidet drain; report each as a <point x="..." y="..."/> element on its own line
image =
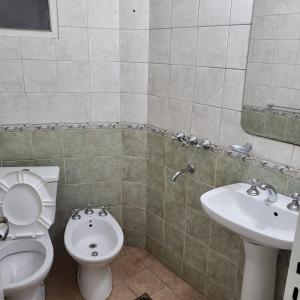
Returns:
<point x="93" y="245"/>
<point x="94" y="253"/>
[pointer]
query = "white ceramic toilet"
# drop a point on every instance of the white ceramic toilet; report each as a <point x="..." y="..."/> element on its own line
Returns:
<point x="93" y="238"/>
<point x="27" y="210"/>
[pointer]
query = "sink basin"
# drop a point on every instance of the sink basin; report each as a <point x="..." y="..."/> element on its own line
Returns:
<point x="264" y="228"/>
<point x="271" y="225"/>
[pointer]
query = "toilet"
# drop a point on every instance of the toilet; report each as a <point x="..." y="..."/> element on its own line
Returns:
<point x="93" y="238"/>
<point x="28" y="204"/>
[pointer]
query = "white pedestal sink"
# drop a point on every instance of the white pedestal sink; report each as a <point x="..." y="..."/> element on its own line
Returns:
<point x="264" y="229"/>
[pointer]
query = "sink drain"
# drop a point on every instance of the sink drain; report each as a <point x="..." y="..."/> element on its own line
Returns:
<point x="94" y="253"/>
<point x="93" y="245"/>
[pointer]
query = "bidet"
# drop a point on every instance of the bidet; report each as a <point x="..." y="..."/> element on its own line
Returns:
<point x="93" y="238"/>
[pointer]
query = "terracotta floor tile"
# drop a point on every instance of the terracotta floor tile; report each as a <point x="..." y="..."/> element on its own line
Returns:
<point x="125" y="267"/>
<point x="58" y="277"/>
<point x="131" y="278"/>
<point x="144" y="282"/>
<point x="145" y="257"/>
<point x="53" y="295"/>
<point x="121" y="291"/>
<point x="161" y="271"/>
<point x="165" y="294"/>
<point x="125" y="250"/>
<point x="70" y="294"/>
<point x="184" y="290"/>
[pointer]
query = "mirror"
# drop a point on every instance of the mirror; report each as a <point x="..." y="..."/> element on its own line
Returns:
<point x="271" y="106"/>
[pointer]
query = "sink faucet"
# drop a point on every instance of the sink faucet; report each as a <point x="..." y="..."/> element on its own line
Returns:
<point x="253" y="191"/>
<point x="3" y="223"/>
<point x="189" y="169"/>
<point x="272" y="193"/>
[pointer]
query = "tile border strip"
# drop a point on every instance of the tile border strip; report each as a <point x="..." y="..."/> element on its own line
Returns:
<point x="272" y="111"/>
<point x="252" y="160"/>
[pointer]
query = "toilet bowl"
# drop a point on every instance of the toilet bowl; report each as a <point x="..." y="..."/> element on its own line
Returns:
<point x="27" y="211"/>
<point x="24" y="265"/>
<point x="94" y="240"/>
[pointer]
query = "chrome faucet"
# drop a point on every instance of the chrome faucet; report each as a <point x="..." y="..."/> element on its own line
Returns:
<point x="189" y="169"/>
<point x="295" y="204"/>
<point x="103" y="211"/>
<point x="89" y="210"/>
<point x="253" y="190"/>
<point x="272" y="193"/>
<point x="4" y="222"/>
<point x="76" y="214"/>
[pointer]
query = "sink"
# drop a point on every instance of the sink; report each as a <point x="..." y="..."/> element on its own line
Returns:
<point x="271" y="225"/>
<point x="264" y="228"/>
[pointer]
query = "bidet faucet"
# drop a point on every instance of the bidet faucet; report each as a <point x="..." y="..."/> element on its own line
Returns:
<point x="89" y="210"/>
<point x="4" y="222"/>
<point x="75" y="214"/>
<point x="189" y="169"/>
<point x="103" y="211"/>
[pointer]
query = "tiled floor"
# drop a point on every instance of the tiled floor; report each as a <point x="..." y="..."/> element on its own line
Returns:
<point x="134" y="271"/>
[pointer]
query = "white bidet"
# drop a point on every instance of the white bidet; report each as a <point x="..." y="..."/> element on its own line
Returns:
<point x="94" y="238"/>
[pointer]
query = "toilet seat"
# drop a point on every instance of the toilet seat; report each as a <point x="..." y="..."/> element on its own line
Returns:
<point x="41" y="246"/>
<point x="30" y="194"/>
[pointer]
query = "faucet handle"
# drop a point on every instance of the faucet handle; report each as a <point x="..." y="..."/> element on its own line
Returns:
<point x="193" y="140"/>
<point x="179" y="136"/>
<point x="254" y="182"/>
<point x="295" y="196"/>
<point x="206" y="144"/>
<point x="89" y="210"/>
<point x="253" y="190"/>
<point x="294" y="205"/>
<point x="75" y="214"/>
<point x="103" y="211"/>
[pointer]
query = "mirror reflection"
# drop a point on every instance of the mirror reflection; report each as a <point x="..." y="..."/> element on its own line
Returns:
<point x="271" y="105"/>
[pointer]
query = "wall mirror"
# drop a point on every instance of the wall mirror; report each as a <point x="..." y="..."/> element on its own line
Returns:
<point x="271" y="106"/>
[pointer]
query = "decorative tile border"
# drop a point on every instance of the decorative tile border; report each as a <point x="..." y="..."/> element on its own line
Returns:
<point x="273" y="111"/>
<point x="275" y="167"/>
<point x="65" y="126"/>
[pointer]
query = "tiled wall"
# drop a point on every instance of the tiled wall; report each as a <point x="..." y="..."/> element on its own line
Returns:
<point x="180" y="234"/>
<point x="129" y="171"/>
<point x="98" y="71"/>
<point x="198" y="56"/>
<point x="97" y="167"/>
<point x="105" y="63"/>
<point x="101" y="51"/>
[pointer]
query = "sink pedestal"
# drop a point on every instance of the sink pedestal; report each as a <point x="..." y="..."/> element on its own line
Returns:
<point x="259" y="272"/>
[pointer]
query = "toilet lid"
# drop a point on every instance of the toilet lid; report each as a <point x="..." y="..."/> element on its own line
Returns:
<point x="25" y="200"/>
